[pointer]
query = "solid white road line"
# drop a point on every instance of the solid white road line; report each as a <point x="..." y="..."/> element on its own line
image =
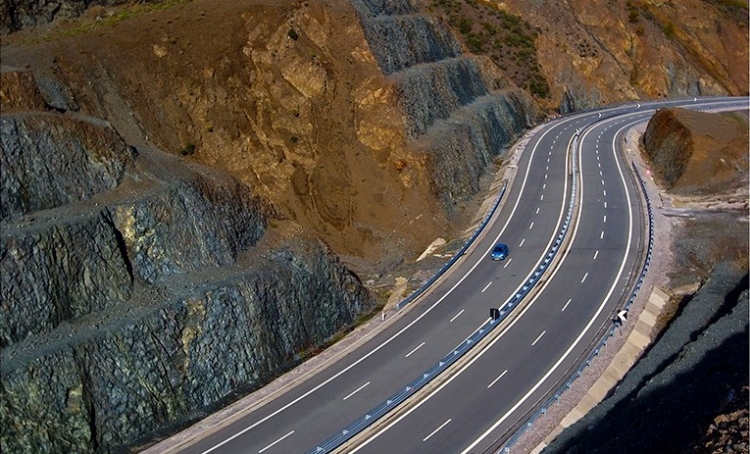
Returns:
<point x="356" y="390"/>
<point x="487" y="286"/>
<point x="566" y="305"/>
<point x="436" y="430"/>
<point x="275" y="442"/>
<point x="498" y="378"/>
<point x="588" y="325"/>
<point x="417" y="348"/>
<point x="457" y="315"/>
<point x="538" y="337"/>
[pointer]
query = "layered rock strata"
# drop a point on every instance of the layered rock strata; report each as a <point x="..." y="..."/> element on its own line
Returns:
<point x="140" y="292"/>
<point x="460" y="110"/>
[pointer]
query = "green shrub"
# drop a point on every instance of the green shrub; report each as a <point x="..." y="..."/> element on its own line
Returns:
<point x="189" y="150"/>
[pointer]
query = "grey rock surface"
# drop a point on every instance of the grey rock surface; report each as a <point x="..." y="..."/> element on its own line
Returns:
<point x="459" y="109"/>
<point x="666" y="402"/>
<point x="141" y="292"/>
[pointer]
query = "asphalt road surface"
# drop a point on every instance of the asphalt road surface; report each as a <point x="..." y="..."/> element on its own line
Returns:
<point x="486" y="397"/>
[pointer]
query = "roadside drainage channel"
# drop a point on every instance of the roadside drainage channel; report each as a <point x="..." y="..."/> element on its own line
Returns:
<point x="365" y="421"/>
<point x="506" y="448"/>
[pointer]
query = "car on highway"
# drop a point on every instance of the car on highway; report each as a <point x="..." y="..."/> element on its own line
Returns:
<point x="500" y="251"/>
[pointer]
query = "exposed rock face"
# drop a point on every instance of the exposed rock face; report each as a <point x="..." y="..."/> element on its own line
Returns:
<point x="18" y="14"/>
<point x="693" y="150"/>
<point x="461" y="111"/>
<point x="43" y="166"/>
<point x="140" y="292"/>
<point x="595" y="52"/>
<point x="697" y="369"/>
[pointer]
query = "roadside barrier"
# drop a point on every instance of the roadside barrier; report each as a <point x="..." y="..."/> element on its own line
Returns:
<point x="427" y="376"/>
<point x="506" y="448"/>
<point x="416" y="293"/>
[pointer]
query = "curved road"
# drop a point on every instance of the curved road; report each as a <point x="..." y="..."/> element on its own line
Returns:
<point x="498" y="387"/>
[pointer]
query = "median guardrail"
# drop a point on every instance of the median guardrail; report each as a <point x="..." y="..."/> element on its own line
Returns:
<point x="506" y="448"/>
<point x="454" y="355"/>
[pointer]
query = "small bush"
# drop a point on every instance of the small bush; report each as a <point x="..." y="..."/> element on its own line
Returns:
<point x="189" y="150"/>
<point x="292" y="33"/>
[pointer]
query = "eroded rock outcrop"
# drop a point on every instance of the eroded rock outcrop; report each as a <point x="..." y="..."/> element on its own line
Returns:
<point x="696" y="369"/>
<point x="693" y="150"/>
<point x="140" y="292"/>
<point x="459" y="110"/>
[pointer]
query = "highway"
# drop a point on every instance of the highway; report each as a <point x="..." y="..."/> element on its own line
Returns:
<point x="486" y="397"/>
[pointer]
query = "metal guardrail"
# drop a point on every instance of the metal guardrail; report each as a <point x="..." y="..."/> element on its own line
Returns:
<point x="426" y="377"/>
<point x="506" y="448"/>
<point x="611" y="331"/>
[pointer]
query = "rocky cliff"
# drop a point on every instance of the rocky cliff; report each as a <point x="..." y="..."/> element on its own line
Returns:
<point x="696" y="370"/>
<point x="698" y="151"/>
<point x="460" y="111"/>
<point x="584" y="53"/>
<point x="140" y="291"/>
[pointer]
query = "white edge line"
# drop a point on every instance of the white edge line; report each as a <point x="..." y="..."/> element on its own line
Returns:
<point x="428" y="310"/>
<point x="590" y="322"/>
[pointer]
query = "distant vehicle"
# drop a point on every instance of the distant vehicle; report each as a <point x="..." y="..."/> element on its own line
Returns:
<point x="500" y="251"/>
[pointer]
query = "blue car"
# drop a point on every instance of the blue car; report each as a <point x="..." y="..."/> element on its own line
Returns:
<point x="500" y="251"/>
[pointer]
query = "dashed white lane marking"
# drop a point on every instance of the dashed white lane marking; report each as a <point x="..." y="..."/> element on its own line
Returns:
<point x="275" y="442"/>
<point x="356" y="390"/>
<point x="436" y="430"/>
<point x="461" y="311"/>
<point x="602" y="181"/>
<point x="415" y="349"/>
<point x="596" y="254"/>
<point x="542" y="197"/>
<point x="544" y="186"/>
<point x="487" y="286"/>
<point x="605" y="218"/>
<point x="584" y="277"/>
<point x="545" y="176"/>
<point x="605" y="192"/>
<point x="602" y="235"/>
<point x="539" y="337"/>
<point x="531" y="225"/>
<point x="498" y="378"/>
<point x="605" y="204"/>
<point x="510" y="260"/>
<point x="566" y="305"/>
<point x="522" y="241"/>
<point x="600" y="170"/>
<point x="537" y="210"/>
